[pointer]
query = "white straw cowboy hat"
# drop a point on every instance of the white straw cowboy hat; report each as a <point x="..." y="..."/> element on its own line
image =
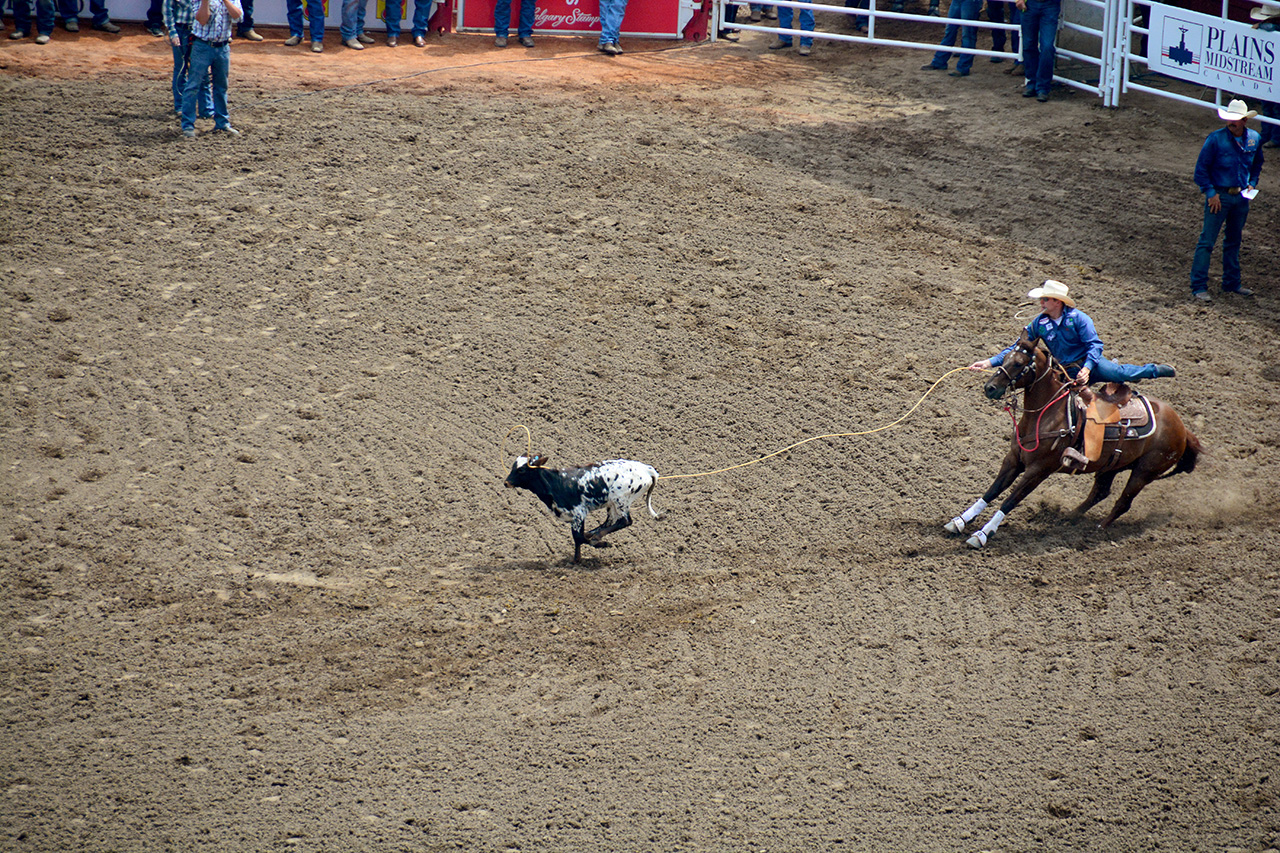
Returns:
<point x="1053" y="290"/>
<point x="1267" y="10"/>
<point x="1235" y="111"/>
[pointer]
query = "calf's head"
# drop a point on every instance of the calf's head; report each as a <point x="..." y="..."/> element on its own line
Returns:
<point x="521" y="476"/>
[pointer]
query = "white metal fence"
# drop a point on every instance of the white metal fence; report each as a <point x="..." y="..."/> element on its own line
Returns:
<point x="1114" y="39"/>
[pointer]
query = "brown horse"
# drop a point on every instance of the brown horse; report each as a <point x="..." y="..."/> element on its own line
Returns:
<point x="1046" y="430"/>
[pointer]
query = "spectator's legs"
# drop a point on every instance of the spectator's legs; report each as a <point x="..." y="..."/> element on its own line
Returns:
<point x="350" y="27"/>
<point x="315" y="19"/>
<point x="199" y="59"/>
<point x="181" y="67"/>
<point x="502" y="18"/>
<point x="98" y="8"/>
<point x="942" y="57"/>
<point x="293" y="14"/>
<point x="1237" y="211"/>
<point x="527" y="10"/>
<point x="220" y="67"/>
<point x="422" y="17"/>
<point x="45" y="12"/>
<point x="969" y="10"/>
<point x="1204" y="248"/>
<point x="21" y="17"/>
<point x="246" y="23"/>
<point x="391" y="17"/>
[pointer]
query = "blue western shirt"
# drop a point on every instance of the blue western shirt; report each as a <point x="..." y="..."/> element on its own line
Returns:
<point x="1070" y="338"/>
<point x="1225" y="161"/>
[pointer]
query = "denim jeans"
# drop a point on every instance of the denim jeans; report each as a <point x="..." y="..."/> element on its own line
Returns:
<point x="502" y="18"/>
<point x="611" y="12"/>
<point x="315" y="15"/>
<point x="421" y="16"/>
<point x="966" y="10"/>
<point x="1039" y="30"/>
<point x="785" y="16"/>
<point x="352" y="18"/>
<point x="70" y="11"/>
<point x="392" y="15"/>
<point x="1232" y="213"/>
<point x="207" y="59"/>
<point x="181" y="66"/>
<point x="1107" y="370"/>
<point x="246" y="23"/>
<point x="155" y="15"/>
<point x="995" y="14"/>
<point x="44" y="16"/>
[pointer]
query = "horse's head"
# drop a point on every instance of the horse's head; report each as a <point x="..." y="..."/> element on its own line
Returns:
<point x="1017" y="371"/>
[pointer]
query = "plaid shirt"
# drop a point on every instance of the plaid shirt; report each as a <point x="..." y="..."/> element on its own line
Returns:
<point x="178" y="13"/>
<point x="218" y="30"/>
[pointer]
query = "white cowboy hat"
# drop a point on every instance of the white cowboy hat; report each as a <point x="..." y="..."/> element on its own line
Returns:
<point x="1235" y="111"/>
<point x="1267" y="10"/>
<point x="1053" y="290"/>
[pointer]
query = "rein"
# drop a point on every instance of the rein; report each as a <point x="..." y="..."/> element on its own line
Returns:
<point x="1054" y="367"/>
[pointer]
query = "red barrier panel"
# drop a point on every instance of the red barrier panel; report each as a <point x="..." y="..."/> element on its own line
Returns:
<point x="644" y="18"/>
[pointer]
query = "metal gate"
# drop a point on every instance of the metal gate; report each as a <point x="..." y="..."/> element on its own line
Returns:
<point x="1110" y="30"/>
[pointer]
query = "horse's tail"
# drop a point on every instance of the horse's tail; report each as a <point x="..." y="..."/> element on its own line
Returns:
<point x="1190" y="455"/>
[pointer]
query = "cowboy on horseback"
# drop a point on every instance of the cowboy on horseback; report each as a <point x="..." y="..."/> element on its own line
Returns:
<point x="1069" y="335"/>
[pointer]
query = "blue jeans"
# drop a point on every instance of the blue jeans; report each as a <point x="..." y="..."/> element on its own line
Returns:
<point x="785" y="16"/>
<point x="44" y="17"/>
<point x="1107" y="370"/>
<point x="966" y="10"/>
<point x="995" y="14"/>
<point x="70" y="10"/>
<point x="392" y="14"/>
<point x="1039" y="29"/>
<point x="421" y="16"/>
<point x="315" y="14"/>
<point x="1232" y="213"/>
<point x="181" y="66"/>
<point x="246" y="23"/>
<point x="502" y="18"/>
<point x="611" y="12"/>
<point x="155" y="15"/>
<point x="352" y="18"/>
<point x="207" y="59"/>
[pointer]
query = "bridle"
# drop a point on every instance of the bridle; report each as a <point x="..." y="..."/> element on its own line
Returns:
<point x="1013" y="376"/>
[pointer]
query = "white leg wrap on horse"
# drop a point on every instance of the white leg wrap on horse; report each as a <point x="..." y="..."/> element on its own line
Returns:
<point x="972" y="512"/>
<point x="980" y="537"/>
<point x="956" y="525"/>
<point x="994" y="524"/>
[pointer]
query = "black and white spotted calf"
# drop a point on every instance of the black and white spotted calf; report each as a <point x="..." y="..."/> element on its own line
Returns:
<point x="572" y="494"/>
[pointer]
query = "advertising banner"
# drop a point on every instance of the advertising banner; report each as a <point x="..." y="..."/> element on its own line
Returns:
<point x="1213" y="52"/>
<point x="644" y="18"/>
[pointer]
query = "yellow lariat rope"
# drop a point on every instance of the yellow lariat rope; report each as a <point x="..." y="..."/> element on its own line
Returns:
<point x="818" y="437"/>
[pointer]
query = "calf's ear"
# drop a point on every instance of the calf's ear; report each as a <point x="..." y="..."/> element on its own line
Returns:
<point x="538" y="461"/>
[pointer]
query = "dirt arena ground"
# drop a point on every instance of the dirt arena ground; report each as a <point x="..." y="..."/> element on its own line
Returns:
<point x="262" y="586"/>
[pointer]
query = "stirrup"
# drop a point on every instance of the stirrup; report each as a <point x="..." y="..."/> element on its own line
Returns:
<point x="1073" y="461"/>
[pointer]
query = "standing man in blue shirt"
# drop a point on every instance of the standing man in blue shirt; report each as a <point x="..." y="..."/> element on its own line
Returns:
<point x="1227" y="169"/>
<point x="1072" y="340"/>
<point x="210" y="54"/>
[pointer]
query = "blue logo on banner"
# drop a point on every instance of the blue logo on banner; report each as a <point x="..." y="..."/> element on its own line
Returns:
<point x="1178" y="53"/>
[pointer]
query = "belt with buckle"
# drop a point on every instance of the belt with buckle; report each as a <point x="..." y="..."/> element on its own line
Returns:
<point x="1228" y="190"/>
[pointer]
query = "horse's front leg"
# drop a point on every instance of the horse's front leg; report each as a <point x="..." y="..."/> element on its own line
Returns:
<point x="1033" y="478"/>
<point x="1009" y="471"/>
